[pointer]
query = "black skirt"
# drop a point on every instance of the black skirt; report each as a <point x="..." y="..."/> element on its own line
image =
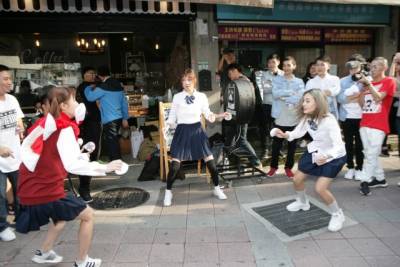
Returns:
<point x="330" y="169"/>
<point x="190" y="142"/>
<point x="32" y="217"/>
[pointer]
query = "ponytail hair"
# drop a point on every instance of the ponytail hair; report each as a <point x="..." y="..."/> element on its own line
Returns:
<point x="56" y="96"/>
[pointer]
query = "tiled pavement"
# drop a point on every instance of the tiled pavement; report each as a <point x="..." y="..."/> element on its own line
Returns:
<point x="199" y="230"/>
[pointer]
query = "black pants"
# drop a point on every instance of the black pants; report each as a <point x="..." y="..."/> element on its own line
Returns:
<point x="352" y="139"/>
<point x="90" y="132"/>
<point x="266" y="122"/>
<point x="111" y="138"/>
<point x="239" y="133"/>
<point x="276" y="148"/>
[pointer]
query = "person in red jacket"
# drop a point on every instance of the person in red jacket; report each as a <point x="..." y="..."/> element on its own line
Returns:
<point x="48" y="153"/>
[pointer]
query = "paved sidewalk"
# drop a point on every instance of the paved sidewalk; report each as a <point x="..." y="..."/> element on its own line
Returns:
<point x="200" y="230"/>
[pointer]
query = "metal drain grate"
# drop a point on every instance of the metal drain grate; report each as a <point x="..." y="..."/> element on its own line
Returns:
<point x="119" y="198"/>
<point x="294" y="223"/>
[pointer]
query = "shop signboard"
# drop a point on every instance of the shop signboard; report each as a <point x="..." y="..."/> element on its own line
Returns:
<point x="300" y="35"/>
<point x="247" y="33"/>
<point x="350" y="35"/>
<point x="303" y="12"/>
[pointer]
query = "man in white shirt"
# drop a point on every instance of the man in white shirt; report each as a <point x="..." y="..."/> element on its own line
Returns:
<point x="263" y="79"/>
<point x="329" y="84"/>
<point x="11" y="128"/>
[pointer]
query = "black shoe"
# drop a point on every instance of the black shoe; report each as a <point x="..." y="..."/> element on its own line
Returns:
<point x="385" y="153"/>
<point x="85" y="195"/>
<point x="364" y="189"/>
<point x="375" y="183"/>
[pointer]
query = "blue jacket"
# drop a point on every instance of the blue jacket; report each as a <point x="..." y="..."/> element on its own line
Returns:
<point x="289" y="91"/>
<point x="345" y="83"/>
<point x="113" y="103"/>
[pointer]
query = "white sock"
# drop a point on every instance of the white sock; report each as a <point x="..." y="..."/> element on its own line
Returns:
<point x="302" y="196"/>
<point x="80" y="262"/>
<point x="334" y="207"/>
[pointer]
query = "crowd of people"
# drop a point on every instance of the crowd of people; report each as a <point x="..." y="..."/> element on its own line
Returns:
<point x="320" y="110"/>
<point x="339" y="120"/>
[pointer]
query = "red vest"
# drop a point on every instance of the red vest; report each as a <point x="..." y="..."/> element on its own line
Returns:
<point x="46" y="183"/>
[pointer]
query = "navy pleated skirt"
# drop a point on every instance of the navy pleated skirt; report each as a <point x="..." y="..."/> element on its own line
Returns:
<point x="32" y="217"/>
<point x="190" y="142"/>
<point x="330" y="169"/>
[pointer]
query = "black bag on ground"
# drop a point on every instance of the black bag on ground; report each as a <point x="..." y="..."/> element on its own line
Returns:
<point x="151" y="169"/>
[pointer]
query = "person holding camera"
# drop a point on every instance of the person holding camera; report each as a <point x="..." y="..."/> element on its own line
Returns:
<point x="326" y="82"/>
<point x="375" y="99"/>
<point x="350" y="114"/>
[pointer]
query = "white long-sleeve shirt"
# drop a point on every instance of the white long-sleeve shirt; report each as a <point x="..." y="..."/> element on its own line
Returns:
<point x="326" y="135"/>
<point x="183" y="113"/>
<point x="331" y="83"/>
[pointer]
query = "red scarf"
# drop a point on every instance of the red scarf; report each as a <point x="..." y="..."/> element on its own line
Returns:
<point x="62" y="122"/>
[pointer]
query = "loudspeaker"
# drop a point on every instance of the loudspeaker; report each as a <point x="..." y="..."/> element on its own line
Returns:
<point x="205" y="80"/>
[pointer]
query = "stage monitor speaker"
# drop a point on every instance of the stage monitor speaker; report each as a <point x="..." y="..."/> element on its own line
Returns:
<point x="205" y="80"/>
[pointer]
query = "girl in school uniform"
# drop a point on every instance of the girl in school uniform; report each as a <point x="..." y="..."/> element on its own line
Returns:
<point x="48" y="153"/>
<point x="324" y="157"/>
<point x="190" y="141"/>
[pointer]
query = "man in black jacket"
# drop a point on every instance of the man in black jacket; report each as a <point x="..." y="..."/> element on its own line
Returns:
<point x="90" y="128"/>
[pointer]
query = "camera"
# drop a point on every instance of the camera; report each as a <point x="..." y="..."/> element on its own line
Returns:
<point x="358" y="76"/>
<point x="364" y="72"/>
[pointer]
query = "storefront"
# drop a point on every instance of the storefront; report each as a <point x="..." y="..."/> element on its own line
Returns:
<point x="303" y="30"/>
<point x="145" y="43"/>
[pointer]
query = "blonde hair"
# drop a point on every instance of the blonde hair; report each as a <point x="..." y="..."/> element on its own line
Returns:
<point x="321" y="105"/>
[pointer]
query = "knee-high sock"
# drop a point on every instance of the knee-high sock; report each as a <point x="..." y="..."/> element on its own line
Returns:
<point x="173" y="171"/>
<point x="212" y="168"/>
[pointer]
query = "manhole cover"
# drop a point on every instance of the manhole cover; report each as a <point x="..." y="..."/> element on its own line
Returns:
<point x="289" y="226"/>
<point x="294" y="223"/>
<point x="119" y="198"/>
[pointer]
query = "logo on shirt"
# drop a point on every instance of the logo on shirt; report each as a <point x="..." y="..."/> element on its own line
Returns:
<point x="8" y="120"/>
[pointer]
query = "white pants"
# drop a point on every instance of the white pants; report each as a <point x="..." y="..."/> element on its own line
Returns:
<point x="372" y="140"/>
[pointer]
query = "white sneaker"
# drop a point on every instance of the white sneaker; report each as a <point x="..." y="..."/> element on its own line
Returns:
<point x="168" y="198"/>
<point x="48" y="257"/>
<point x="219" y="193"/>
<point x="298" y="205"/>
<point x="349" y="174"/>
<point x="7" y="235"/>
<point x="89" y="262"/>
<point x="358" y="175"/>
<point x="398" y="184"/>
<point x="336" y="222"/>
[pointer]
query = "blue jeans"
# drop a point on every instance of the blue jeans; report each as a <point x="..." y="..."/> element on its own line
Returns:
<point x="13" y="177"/>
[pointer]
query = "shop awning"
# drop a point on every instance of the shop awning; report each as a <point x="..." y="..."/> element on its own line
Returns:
<point x="174" y="7"/>
<point x="119" y="6"/>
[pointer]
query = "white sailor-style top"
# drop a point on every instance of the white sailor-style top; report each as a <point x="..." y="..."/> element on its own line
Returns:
<point x="326" y="135"/>
<point x="187" y="109"/>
